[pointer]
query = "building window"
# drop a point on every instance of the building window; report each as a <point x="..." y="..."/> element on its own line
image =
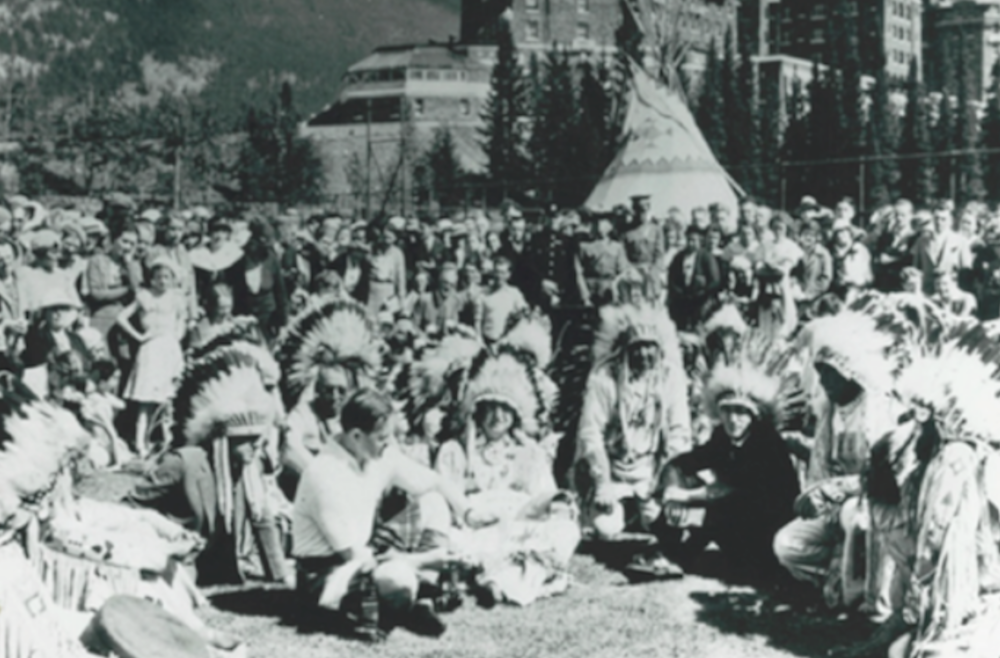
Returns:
<point x="466" y="107"/>
<point x="583" y="31"/>
<point x="416" y="75"/>
<point x="418" y="107"/>
<point x="532" y="32"/>
<point x="531" y="4"/>
<point x="434" y="75"/>
<point x="584" y="6"/>
<point x="451" y="75"/>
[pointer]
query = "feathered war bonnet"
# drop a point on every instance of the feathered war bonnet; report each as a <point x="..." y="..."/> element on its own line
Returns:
<point x="37" y="442"/>
<point x="240" y="334"/>
<point x="620" y="327"/>
<point x="959" y="383"/>
<point x="762" y="378"/>
<point x="512" y="374"/>
<point x="222" y="394"/>
<point x="852" y="344"/>
<point x="331" y="332"/>
<point x="913" y="322"/>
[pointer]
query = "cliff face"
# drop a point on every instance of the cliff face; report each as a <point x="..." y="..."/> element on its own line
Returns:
<point x="226" y="50"/>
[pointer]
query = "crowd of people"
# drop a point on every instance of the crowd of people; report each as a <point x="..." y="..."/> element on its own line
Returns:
<point x="389" y="416"/>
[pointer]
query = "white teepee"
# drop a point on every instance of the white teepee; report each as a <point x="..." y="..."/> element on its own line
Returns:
<point x="664" y="156"/>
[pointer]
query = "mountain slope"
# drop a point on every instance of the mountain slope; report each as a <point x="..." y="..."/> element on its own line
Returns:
<point x="243" y="46"/>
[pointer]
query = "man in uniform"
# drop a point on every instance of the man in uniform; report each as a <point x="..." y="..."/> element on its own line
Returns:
<point x="643" y="241"/>
<point x="602" y="260"/>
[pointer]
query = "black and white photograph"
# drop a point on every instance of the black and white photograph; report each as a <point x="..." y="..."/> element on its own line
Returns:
<point x="500" y="328"/>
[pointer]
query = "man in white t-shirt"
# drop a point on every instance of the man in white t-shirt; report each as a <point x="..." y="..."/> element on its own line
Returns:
<point x="500" y="303"/>
<point x="345" y="563"/>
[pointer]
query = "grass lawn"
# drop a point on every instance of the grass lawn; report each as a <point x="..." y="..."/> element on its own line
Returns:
<point x="600" y="616"/>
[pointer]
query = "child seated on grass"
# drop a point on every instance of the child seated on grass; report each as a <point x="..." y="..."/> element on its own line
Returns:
<point x="100" y="407"/>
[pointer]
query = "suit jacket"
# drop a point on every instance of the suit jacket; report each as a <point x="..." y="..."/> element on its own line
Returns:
<point x="270" y="303"/>
<point x="354" y="258"/>
<point x="932" y="253"/>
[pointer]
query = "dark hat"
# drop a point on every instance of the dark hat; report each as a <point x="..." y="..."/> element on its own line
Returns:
<point x="639" y="197"/>
<point x="131" y="627"/>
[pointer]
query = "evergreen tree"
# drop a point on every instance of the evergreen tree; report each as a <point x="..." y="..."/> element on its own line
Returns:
<point x="848" y="129"/>
<point x="594" y="135"/>
<point x="990" y="137"/>
<point x="917" y="176"/>
<point x="759" y="128"/>
<point x="797" y="142"/>
<point x="826" y="129"/>
<point x="553" y="144"/>
<point x="275" y="163"/>
<point x="444" y="168"/>
<point x="881" y="172"/>
<point x="970" y="169"/>
<point x="711" y="116"/>
<point x="504" y="139"/>
<point x="944" y="142"/>
<point x="770" y="147"/>
<point x="736" y="101"/>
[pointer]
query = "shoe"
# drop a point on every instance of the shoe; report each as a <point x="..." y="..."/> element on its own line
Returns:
<point x="656" y="567"/>
<point x="422" y="620"/>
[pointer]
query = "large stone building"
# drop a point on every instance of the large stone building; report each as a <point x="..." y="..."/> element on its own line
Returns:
<point x="962" y="35"/>
<point x="890" y="31"/>
<point x="436" y="85"/>
<point x="447" y="84"/>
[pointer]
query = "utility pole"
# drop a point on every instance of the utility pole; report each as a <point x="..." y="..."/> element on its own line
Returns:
<point x="368" y="160"/>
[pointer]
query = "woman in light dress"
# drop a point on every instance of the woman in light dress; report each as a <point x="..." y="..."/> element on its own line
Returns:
<point x="159" y="362"/>
<point x="507" y="474"/>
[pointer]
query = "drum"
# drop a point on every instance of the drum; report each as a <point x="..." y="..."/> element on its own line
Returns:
<point x="131" y="627"/>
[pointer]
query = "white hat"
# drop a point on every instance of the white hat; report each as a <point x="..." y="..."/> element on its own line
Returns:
<point x="842" y="224"/>
<point x="151" y="215"/>
<point x="397" y="223"/>
<point x="44" y="239"/>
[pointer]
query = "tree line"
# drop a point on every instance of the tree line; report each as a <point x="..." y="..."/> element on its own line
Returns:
<point x="850" y="134"/>
<point x="180" y="147"/>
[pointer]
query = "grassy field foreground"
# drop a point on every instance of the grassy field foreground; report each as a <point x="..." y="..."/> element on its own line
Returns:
<point x="600" y="616"/>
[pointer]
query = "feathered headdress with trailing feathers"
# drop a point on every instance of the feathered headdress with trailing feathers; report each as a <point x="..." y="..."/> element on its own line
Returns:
<point x="37" y="441"/>
<point x="621" y="326"/>
<point x="327" y="333"/>
<point x="438" y="373"/>
<point x="223" y="392"/>
<point x="765" y="376"/>
<point x="913" y="322"/>
<point x="959" y="380"/>
<point x="852" y="344"/>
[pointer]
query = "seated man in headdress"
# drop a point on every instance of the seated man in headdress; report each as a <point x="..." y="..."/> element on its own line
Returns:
<point x="849" y="356"/>
<point x="349" y="561"/>
<point x="214" y="483"/>
<point x="334" y="351"/>
<point x="635" y="418"/>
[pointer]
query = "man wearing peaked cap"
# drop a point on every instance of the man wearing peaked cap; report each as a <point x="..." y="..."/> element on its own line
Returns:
<point x="643" y="240"/>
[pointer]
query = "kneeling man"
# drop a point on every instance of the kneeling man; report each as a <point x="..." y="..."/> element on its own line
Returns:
<point x="348" y="560"/>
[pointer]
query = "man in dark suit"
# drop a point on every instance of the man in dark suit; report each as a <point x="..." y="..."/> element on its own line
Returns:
<point x="693" y="279"/>
<point x="515" y="247"/>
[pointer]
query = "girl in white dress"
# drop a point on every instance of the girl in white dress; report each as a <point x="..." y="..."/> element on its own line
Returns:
<point x="159" y="362"/>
